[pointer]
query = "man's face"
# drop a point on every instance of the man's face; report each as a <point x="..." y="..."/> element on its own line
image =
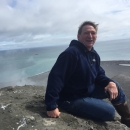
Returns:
<point x="88" y="36"/>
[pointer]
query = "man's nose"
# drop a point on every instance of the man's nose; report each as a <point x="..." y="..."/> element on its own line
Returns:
<point x="90" y="34"/>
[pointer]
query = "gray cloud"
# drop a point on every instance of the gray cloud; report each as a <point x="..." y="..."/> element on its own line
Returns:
<point x="42" y="23"/>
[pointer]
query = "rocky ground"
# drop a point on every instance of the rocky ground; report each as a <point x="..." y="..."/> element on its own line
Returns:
<point x="23" y="108"/>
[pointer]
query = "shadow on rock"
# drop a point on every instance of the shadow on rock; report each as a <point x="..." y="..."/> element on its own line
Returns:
<point x="37" y="107"/>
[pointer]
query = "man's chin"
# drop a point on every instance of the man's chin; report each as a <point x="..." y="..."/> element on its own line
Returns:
<point x="89" y="45"/>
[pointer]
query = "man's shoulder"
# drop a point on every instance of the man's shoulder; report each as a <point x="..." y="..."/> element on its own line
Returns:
<point x="73" y="50"/>
<point x="94" y="51"/>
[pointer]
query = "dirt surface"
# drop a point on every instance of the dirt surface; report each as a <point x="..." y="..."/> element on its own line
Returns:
<point x="23" y="108"/>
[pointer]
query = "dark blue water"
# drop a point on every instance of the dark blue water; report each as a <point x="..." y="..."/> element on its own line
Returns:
<point x="113" y="50"/>
<point x="22" y="63"/>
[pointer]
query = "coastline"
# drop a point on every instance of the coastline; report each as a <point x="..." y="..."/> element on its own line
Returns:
<point x="112" y="68"/>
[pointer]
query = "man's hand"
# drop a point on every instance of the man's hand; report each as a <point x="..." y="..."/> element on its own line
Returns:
<point x="54" y="113"/>
<point x="112" y="89"/>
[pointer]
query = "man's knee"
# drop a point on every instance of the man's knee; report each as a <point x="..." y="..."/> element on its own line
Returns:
<point x="121" y="98"/>
<point x="120" y="90"/>
<point x="117" y="84"/>
<point x="110" y="114"/>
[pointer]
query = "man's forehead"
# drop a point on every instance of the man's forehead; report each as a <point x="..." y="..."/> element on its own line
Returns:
<point x="88" y="28"/>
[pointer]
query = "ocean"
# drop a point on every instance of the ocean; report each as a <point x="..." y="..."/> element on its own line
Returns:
<point x="22" y="63"/>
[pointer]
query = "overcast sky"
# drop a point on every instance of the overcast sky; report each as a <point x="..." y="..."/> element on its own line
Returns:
<point x="34" y="23"/>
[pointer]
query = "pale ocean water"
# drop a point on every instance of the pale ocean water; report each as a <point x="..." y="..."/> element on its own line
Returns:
<point x="22" y="63"/>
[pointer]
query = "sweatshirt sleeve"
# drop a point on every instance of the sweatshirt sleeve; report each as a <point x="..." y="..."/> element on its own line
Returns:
<point x="101" y="78"/>
<point x="59" y="75"/>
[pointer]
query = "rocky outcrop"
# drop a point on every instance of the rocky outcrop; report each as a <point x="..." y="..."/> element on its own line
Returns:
<point x="23" y="108"/>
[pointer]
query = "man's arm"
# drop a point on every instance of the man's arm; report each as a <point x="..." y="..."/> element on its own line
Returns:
<point x="108" y="84"/>
<point x="102" y="79"/>
<point x="58" y="77"/>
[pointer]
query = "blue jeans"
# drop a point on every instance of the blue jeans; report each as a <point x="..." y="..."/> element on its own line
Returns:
<point x="92" y="106"/>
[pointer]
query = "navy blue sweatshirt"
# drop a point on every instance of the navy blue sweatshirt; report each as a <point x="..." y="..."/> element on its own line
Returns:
<point x="74" y="75"/>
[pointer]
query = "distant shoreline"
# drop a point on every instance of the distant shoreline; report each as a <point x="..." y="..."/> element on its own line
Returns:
<point x="112" y="68"/>
<point x="119" y="62"/>
<point x="40" y="73"/>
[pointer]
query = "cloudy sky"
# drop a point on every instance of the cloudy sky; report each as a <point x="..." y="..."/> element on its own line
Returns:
<point x="34" y="23"/>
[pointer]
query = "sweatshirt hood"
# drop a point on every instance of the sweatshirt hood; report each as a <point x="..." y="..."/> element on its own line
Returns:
<point x="80" y="45"/>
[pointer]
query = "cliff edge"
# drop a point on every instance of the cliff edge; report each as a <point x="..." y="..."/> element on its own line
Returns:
<point x="23" y="108"/>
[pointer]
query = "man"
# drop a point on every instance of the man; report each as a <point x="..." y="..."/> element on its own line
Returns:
<point x="77" y="83"/>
